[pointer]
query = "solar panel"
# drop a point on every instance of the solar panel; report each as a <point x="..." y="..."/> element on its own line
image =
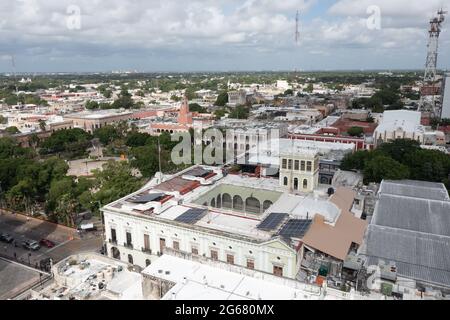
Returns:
<point x="272" y="221"/>
<point x="198" y="172"/>
<point x="295" y="228"/>
<point x="191" y="216"/>
<point x="147" y="197"/>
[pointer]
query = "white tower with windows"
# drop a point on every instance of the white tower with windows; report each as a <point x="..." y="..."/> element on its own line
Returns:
<point x="299" y="170"/>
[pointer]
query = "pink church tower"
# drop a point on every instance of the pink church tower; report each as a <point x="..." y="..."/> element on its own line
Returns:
<point x="184" y="116"/>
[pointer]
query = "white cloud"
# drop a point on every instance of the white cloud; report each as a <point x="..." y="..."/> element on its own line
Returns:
<point x="216" y="27"/>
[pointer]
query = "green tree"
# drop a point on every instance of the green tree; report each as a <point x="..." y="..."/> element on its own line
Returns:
<point x="383" y="167"/>
<point x="92" y="105"/>
<point x="309" y="88"/>
<point x="124" y="101"/>
<point x="220" y="113"/>
<point x="137" y="139"/>
<point x="12" y="130"/>
<point x="107" y="134"/>
<point x="355" y="161"/>
<point x="240" y="112"/>
<point x="222" y="99"/>
<point x="114" y="182"/>
<point x="355" y="131"/>
<point x="195" y="107"/>
<point x="42" y="125"/>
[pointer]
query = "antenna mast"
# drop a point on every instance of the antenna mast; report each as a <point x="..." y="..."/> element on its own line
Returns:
<point x="433" y="46"/>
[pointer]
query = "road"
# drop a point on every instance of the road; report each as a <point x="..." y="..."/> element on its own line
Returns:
<point x="67" y="240"/>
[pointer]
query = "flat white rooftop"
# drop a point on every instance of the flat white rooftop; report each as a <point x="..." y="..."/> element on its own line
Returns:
<point x="197" y="281"/>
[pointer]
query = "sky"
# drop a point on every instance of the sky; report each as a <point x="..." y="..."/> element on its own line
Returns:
<point x="217" y="35"/>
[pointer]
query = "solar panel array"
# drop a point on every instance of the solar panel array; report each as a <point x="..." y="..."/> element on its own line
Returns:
<point x="191" y="216"/>
<point x="198" y="172"/>
<point x="272" y="221"/>
<point x="144" y="198"/>
<point x="295" y="228"/>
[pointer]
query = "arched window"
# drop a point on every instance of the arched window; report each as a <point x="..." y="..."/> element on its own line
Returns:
<point x="252" y="205"/>
<point x="295" y="184"/>
<point x="147" y="262"/>
<point x="305" y="184"/>
<point x="213" y="202"/>
<point x="238" y="204"/>
<point x="219" y="201"/>
<point x="130" y="259"/>
<point x="226" y="201"/>
<point x="285" y="181"/>
<point x="267" y="204"/>
<point x="115" y="253"/>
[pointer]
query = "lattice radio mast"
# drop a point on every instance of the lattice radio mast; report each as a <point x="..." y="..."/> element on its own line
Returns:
<point x="433" y="46"/>
<point x="297" y="28"/>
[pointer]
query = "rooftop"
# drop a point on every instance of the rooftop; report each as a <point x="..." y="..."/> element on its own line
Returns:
<point x="410" y="226"/>
<point x="181" y="200"/>
<point x="197" y="281"/>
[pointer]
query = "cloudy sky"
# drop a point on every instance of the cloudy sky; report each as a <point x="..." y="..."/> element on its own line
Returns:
<point x="216" y="35"/>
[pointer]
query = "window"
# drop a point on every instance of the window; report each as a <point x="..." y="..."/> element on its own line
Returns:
<point x="129" y="242"/>
<point x="230" y="258"/>
<point x="214" y="255"/>
<point x="309" y="166"/>
<point x="194" y="250"/>
<point x="278" y="271"/>
<point x="146" y="242"/>
<point x="130" y="259"/>
<point x="113" y="235"/>
<point x="284" y="164"/>
<point x="147" y="262"/>
<point x="162" y="244"/>
<point x="176" y="245"/>
<point x="251" y="264"/>
<point x="305" y="184"/>
<point x="290" y="164"/>
<point x="295" y="184"/>
<point x="302" y="167"/>
<point x="297" y="165"/>
<point x="285" y="181"/>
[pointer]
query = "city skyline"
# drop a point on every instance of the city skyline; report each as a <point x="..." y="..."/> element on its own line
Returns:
<point x="156" y="36"/>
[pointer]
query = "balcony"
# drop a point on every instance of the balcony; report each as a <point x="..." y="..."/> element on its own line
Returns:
<point x="128" y="245"/>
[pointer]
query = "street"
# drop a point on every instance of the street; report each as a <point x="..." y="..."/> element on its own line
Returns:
<point x="67" y="241"/>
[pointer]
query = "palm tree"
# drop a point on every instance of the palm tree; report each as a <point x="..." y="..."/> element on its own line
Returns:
<point x="42" y="125"/>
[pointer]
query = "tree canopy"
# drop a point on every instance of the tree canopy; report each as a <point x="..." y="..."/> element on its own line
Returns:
<point x="400" y="159"/>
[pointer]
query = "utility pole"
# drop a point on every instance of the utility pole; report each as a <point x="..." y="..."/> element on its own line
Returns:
<point x="159" y="155"/>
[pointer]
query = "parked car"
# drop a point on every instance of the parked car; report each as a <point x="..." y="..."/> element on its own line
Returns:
<point x="6" y="238"/>
<point x="47" y="243"/>
<point x="31" y="245"/>
<point x="87" y="227"/>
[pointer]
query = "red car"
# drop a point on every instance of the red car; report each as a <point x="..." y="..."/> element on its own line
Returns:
<point x="47" y="243"/>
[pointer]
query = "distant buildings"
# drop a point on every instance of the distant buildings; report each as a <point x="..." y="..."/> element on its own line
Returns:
<point x="90" y="121"/>
<point x="237" y="98"/>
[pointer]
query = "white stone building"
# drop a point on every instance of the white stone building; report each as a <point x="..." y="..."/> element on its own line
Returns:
<point x="399" y="124"/>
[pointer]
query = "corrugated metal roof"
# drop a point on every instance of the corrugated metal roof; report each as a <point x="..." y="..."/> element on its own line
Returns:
<point x="413" y="214"/>
<point x="418" y="256"/>
<point x="411" y="226"/>
<point x="415" y="189"/>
